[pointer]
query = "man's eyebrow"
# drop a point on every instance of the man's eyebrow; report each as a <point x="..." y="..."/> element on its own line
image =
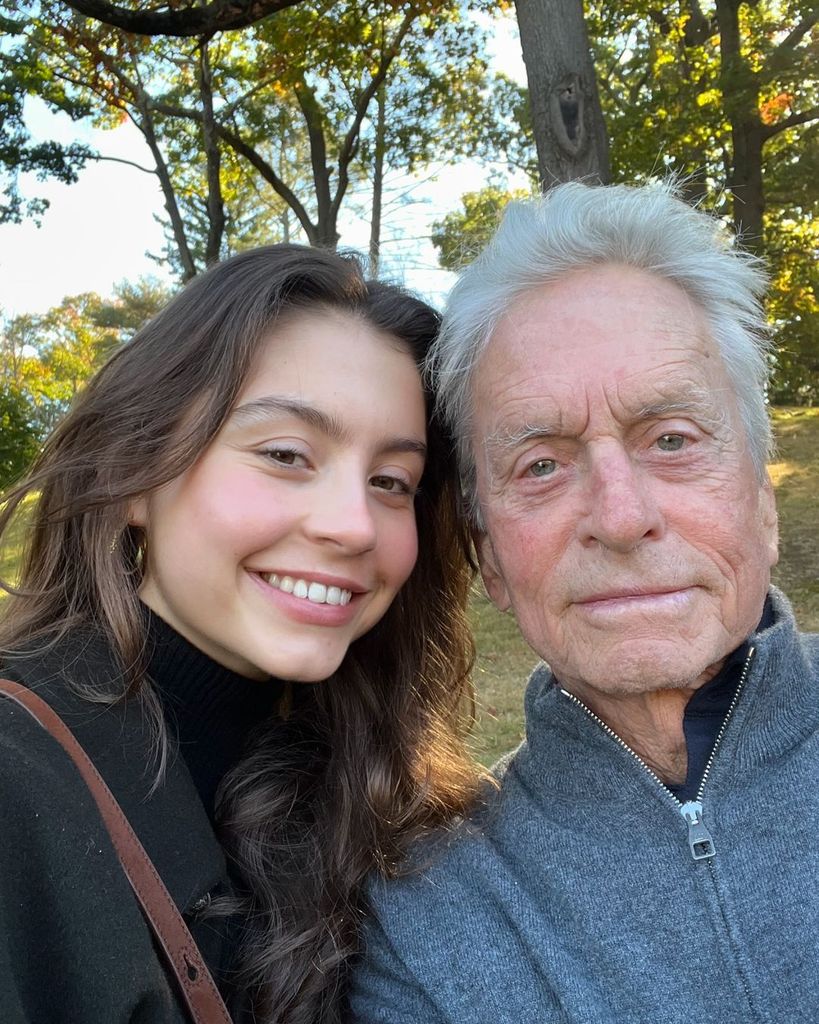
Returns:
<point x="504" y="440"/>
<point x="701" y="404"/>
<point x="671" y="407"/>
<point x="260" y="409"/>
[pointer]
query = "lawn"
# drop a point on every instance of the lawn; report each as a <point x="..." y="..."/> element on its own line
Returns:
<point x="11" y="550"/>
<point x="504" y="660"/>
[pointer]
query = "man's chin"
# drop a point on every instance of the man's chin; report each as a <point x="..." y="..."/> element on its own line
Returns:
<point x="633" y="667"/>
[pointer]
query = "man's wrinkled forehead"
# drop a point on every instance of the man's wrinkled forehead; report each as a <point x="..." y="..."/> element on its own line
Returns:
<point x="543" y="416"/>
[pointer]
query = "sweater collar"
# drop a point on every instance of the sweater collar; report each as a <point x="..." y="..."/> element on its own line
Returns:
<point x="210" y="709"/>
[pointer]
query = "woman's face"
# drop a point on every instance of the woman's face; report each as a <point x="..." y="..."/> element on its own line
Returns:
<point x="292" y="533"/>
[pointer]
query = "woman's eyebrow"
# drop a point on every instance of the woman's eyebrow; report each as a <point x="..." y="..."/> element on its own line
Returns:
<point x="260" y="409"/>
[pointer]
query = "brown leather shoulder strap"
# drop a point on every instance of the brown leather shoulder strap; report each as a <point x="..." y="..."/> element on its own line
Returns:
<point x="184" y="960"/>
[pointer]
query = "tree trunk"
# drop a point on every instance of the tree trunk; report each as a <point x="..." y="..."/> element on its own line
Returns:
<point x="570" y="133"/>
<point x="213" y="160"/>
<point x="146" y="126"/>
<point x="378" y="181"/>
<point x="326" y="217"/>
<point x="740" y="100"/>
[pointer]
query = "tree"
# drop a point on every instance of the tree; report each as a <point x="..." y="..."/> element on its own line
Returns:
<point x="720" y="92"/>
<point x="47" y="358"/>
<point x="759" y="86"/>
<point x="232" y="124"/>
<point x="566" y="116"/>
<point x="19" y="443"/>
<point x="743" y="136"/>
<point x="18" y="153"/>
<point x="461" y="235"/>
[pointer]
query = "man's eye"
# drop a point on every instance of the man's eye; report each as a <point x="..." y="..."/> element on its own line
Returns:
<point x="543" y="467"/>
<point x="670" y="442"/>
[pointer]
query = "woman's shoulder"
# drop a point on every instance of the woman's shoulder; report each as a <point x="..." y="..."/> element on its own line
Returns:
<point x="57" y="672"/>
<point x="43" y="794"/>
<point x="79" y="678"/>
<point x="58" y="668"/>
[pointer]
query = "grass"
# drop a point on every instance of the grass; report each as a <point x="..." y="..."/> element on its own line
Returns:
<point x="12" y="548"/>
<point x="505" y="660"/>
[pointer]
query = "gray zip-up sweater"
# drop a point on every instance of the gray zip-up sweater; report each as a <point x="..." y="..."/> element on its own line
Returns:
<point x="577" y="899"/>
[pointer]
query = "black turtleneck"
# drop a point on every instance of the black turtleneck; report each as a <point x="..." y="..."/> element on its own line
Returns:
<point x="707" y="709"/>
<point x="210" y="709"/>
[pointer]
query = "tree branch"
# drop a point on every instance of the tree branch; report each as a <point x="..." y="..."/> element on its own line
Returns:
<point x="128" y="163"/>
<point x="216" y="16"/>
<point x="796" y="34"/>
<point x="311" y="111"/>
<point x="348" y="146"/>
<point x="769" y="130"/>
<point x="215" y="205"/>
<point x="255" y="159"/>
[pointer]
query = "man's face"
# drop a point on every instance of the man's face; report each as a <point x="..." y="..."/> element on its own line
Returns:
<point x="626" y="527"/>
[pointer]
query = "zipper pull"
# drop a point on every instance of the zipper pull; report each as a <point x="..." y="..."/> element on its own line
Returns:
<point x="699" y="838"/>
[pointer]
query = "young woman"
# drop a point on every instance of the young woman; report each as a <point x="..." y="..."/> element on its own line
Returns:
<point x="250" y="495"/>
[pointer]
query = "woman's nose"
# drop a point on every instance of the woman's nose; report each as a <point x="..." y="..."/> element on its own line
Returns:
<point x="343" y="515"/>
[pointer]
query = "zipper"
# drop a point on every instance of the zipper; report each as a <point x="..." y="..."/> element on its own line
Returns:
<point x="700" y="842"/>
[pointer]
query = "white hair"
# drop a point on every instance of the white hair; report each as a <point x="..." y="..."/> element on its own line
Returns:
<point x="576" y="226"/>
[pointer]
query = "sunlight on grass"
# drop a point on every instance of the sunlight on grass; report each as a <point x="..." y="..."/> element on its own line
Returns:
<point x="12" y="547"/>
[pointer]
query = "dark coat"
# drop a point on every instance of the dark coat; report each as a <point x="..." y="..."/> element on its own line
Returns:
<point x="74" y="947"/>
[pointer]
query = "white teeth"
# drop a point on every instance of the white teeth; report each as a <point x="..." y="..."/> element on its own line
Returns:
<point x="318" y="593"/>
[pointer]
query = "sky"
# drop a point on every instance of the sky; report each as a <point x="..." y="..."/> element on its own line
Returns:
<point x="98" y="231"/>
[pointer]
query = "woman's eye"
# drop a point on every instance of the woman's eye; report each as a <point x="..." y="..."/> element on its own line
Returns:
<point x="390" y="483"/>
<point x="283" y="456"/>
<point x="543" y="467"/>
<point x="670" y="442"/>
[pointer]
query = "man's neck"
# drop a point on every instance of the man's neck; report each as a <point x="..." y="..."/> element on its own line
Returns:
<point x="650" y="723"/>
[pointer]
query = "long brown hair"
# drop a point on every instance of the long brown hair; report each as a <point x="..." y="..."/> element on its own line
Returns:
<point x="367" y="761"/>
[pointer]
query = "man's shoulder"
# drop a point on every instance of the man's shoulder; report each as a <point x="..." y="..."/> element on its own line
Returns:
<point x="460" y="856"/>
<point x="449" y="865"/>
<point x="784" y="642"/>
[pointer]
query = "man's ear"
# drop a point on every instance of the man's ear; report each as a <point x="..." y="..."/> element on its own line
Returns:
<point x="490" y="571"/>
<point x="769" y="519"/>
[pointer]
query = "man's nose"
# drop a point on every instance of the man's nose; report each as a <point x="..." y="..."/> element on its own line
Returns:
<point x="621" y="505"/>
<point x="342" y="514"/>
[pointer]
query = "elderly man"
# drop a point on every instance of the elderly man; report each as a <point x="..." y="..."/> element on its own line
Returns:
<point x="652" y="853"/>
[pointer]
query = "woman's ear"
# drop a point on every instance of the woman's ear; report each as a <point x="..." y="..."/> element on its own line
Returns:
<point x="138" y="511"/>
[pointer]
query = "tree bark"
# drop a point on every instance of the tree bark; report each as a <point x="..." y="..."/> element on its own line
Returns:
<point x="740" y="93"/>
<point x="326" y="216"/>
<point x="146" y="126"/>
<point x="213" y="160"/>
<point x="194" y="20"/>
<point x="570" y="133"/>
<point x="378" y="181"/>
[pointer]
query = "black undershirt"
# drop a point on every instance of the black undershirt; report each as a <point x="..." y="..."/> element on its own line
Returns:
<point x="706" y="711"/>
<point x="210" y="709"/>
